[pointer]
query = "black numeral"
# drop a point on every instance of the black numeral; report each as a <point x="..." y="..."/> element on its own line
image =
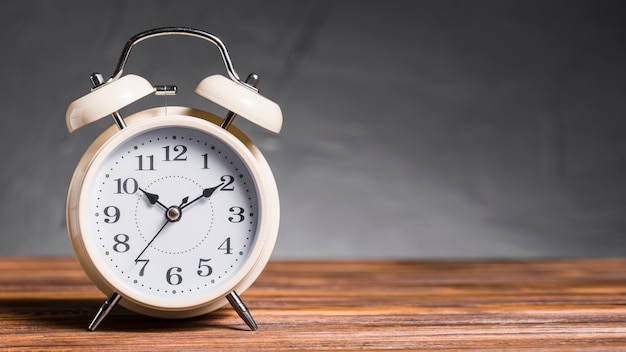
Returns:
<point x="203" y="268"/>
<point x="228" y="181"/>
<point x="121" y="243"/>
<point x="149" y="158"/>
<point x="225" y="246"/>
<point x="143" y="268"/>
<point x="128" y="186"/>
<point x="206" y="161"/>
<point x="112" y="213"/>
<point x="174" y="278"/>
<point x="180" y="149"/>
<point x="237" y="215"/>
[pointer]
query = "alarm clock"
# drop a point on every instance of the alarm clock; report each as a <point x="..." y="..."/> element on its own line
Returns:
<point x="172" y="211"/>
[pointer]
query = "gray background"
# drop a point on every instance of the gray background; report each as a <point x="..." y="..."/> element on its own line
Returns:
<point x="412" y="128"/>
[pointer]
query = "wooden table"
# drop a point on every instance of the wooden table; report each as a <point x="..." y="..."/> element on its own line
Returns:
<point x="340" y="305"/>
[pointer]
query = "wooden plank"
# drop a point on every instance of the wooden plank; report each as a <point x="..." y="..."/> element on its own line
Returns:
<point x="45" y="304"/>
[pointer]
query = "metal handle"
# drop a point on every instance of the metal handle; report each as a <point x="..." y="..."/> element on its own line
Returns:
<point x="191" y="32"/>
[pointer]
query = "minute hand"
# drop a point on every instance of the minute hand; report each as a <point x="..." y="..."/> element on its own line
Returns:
<point x="206" y="193"/>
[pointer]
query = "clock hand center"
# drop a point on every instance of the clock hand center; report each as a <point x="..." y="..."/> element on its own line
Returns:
<point x="173" y="214"/>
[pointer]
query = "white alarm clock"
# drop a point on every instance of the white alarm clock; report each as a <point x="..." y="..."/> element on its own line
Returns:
<point x="173" y="211"/>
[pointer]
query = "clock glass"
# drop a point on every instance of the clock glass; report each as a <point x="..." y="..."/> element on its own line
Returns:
<point x="171" y="215"/>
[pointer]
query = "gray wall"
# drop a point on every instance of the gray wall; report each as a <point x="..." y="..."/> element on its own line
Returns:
<point x="412" y="129"/>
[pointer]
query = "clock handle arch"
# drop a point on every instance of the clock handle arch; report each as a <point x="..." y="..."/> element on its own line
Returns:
<point x="239" y="97"/>
<point x="184" y="31"/>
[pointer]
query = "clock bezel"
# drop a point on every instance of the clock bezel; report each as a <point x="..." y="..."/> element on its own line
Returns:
<point x="105" y="279"/>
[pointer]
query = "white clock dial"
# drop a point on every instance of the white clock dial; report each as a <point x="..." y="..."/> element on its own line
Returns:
<point x="172" y="215"/>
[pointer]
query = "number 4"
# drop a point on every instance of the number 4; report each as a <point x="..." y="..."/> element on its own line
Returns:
<point x="225" y="246"/>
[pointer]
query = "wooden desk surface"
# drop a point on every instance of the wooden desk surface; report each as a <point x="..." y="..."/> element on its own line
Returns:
<point x="335" y="305"/>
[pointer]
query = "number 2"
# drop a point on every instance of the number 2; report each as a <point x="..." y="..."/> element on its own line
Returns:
<point x="228" y="181"/>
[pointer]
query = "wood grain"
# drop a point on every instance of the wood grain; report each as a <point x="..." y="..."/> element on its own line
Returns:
<point x="45" y="304"/>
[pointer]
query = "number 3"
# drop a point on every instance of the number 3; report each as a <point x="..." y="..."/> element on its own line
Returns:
<point x="238" y="215"/>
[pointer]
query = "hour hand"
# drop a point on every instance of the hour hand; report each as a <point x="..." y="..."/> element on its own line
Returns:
<point x="153" y="198"/>
<point x="206" y="193"/>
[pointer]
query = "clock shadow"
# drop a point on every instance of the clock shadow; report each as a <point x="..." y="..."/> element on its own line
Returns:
<point x="75" y="314"/>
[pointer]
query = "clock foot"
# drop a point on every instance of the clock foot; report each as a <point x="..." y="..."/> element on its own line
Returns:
<point x="241" y="309"/>
<point x="104" y="310"/>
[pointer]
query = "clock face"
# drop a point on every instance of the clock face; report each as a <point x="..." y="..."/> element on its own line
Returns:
<point x="170" y="214"/>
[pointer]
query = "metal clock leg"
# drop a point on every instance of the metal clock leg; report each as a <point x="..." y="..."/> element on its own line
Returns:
<point x="233" y="297"/>
<point x="104" y="310"/>
<point x="242" y="310"/>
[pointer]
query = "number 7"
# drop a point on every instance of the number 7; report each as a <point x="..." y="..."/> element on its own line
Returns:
<point x="146" y="261"/>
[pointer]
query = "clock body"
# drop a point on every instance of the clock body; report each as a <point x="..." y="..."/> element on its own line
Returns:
<point x="173" y="212"/>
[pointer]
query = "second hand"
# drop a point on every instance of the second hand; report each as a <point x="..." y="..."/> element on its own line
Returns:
<point x="152" y="240"/>
<point x="172" y="214"/>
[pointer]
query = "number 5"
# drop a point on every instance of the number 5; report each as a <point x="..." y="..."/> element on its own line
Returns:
<point x="203" y="268"/>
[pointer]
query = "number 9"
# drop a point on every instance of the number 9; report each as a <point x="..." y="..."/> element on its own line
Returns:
<point x="114" y="217"/>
